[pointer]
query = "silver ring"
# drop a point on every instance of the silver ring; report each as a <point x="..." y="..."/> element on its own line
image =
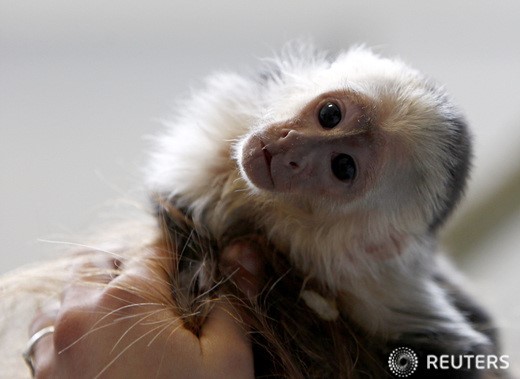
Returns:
<point x="29" y="349"/>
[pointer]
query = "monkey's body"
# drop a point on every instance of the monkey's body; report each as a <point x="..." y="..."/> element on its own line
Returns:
<point x="260" y="156"/>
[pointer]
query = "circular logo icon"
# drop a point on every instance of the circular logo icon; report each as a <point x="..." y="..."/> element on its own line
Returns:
<point x="403" y="362"/>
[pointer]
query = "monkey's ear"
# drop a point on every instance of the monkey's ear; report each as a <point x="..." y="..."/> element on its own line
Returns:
<point x="457" y="167"/>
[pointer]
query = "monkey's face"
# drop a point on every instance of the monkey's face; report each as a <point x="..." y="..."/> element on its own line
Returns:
<point x="329" y="149"/>
<point x="399" y="155"/>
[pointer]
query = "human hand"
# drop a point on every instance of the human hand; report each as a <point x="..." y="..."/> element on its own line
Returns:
<point x="128" y="326"/>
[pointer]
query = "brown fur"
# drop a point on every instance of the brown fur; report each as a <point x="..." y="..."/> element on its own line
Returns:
<point x="289" y="340"/>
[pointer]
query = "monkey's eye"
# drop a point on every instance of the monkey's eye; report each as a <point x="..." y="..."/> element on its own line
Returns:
<point x="343" y="167"/>
<point x="329" y="115"/>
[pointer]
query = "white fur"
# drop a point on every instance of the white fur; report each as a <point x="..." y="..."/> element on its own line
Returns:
<point x="197" y="165"/>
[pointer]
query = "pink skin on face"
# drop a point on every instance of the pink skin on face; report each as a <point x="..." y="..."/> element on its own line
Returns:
<point x="295" y="156"/>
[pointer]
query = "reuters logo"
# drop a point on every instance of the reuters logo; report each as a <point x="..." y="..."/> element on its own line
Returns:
<point x="402" y="362"/>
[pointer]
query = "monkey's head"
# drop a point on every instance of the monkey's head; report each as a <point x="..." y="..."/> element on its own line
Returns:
<point x="359" y="136"/>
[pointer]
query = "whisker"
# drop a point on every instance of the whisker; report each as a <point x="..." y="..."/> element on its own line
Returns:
<point x="124" y="351"/>
<point x="94" y="328"/>
<point x="92" y="247"/>
<point x="168" y="324"/>
<point x="150" y="314"/>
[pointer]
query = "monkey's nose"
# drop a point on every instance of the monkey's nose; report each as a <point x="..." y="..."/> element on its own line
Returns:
<point x="289" y="137"/>
<point x="285" y="133"/>
<point x="267" y="155"/>
<point x="294" y="165"/>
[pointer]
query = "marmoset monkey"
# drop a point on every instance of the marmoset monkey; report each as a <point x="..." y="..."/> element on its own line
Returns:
<point x="348" y="167"/>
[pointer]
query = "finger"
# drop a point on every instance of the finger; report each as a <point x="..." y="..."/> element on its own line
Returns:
<point x="96" y="268"/>
<point x="225" y="339"/>
<point x="148" y="275"/>
<point x="90" y="274"/>
<point x="43" y="357"/>
<point x="225" y="323"/>
<point x="42" y="351"/>
<point x="243" y="261"/>
<point x="44" y="317"/>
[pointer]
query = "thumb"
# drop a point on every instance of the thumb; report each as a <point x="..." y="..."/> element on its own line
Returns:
<point x="224" y="336"/>
<point x="243" y="261"/>
<point x="225" y="342"/>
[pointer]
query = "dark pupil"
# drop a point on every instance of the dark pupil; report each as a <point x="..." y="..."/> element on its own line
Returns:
<point x="330" y="115"/>
<point x="344" y="167"/>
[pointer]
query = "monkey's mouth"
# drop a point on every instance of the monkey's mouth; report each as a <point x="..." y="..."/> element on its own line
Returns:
<point x="257" y="163"/>
<point x="267" y="155"/>
<point x="267" y="158"/>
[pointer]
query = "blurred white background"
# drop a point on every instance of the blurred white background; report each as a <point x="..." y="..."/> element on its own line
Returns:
<point x="81" y="83"/>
